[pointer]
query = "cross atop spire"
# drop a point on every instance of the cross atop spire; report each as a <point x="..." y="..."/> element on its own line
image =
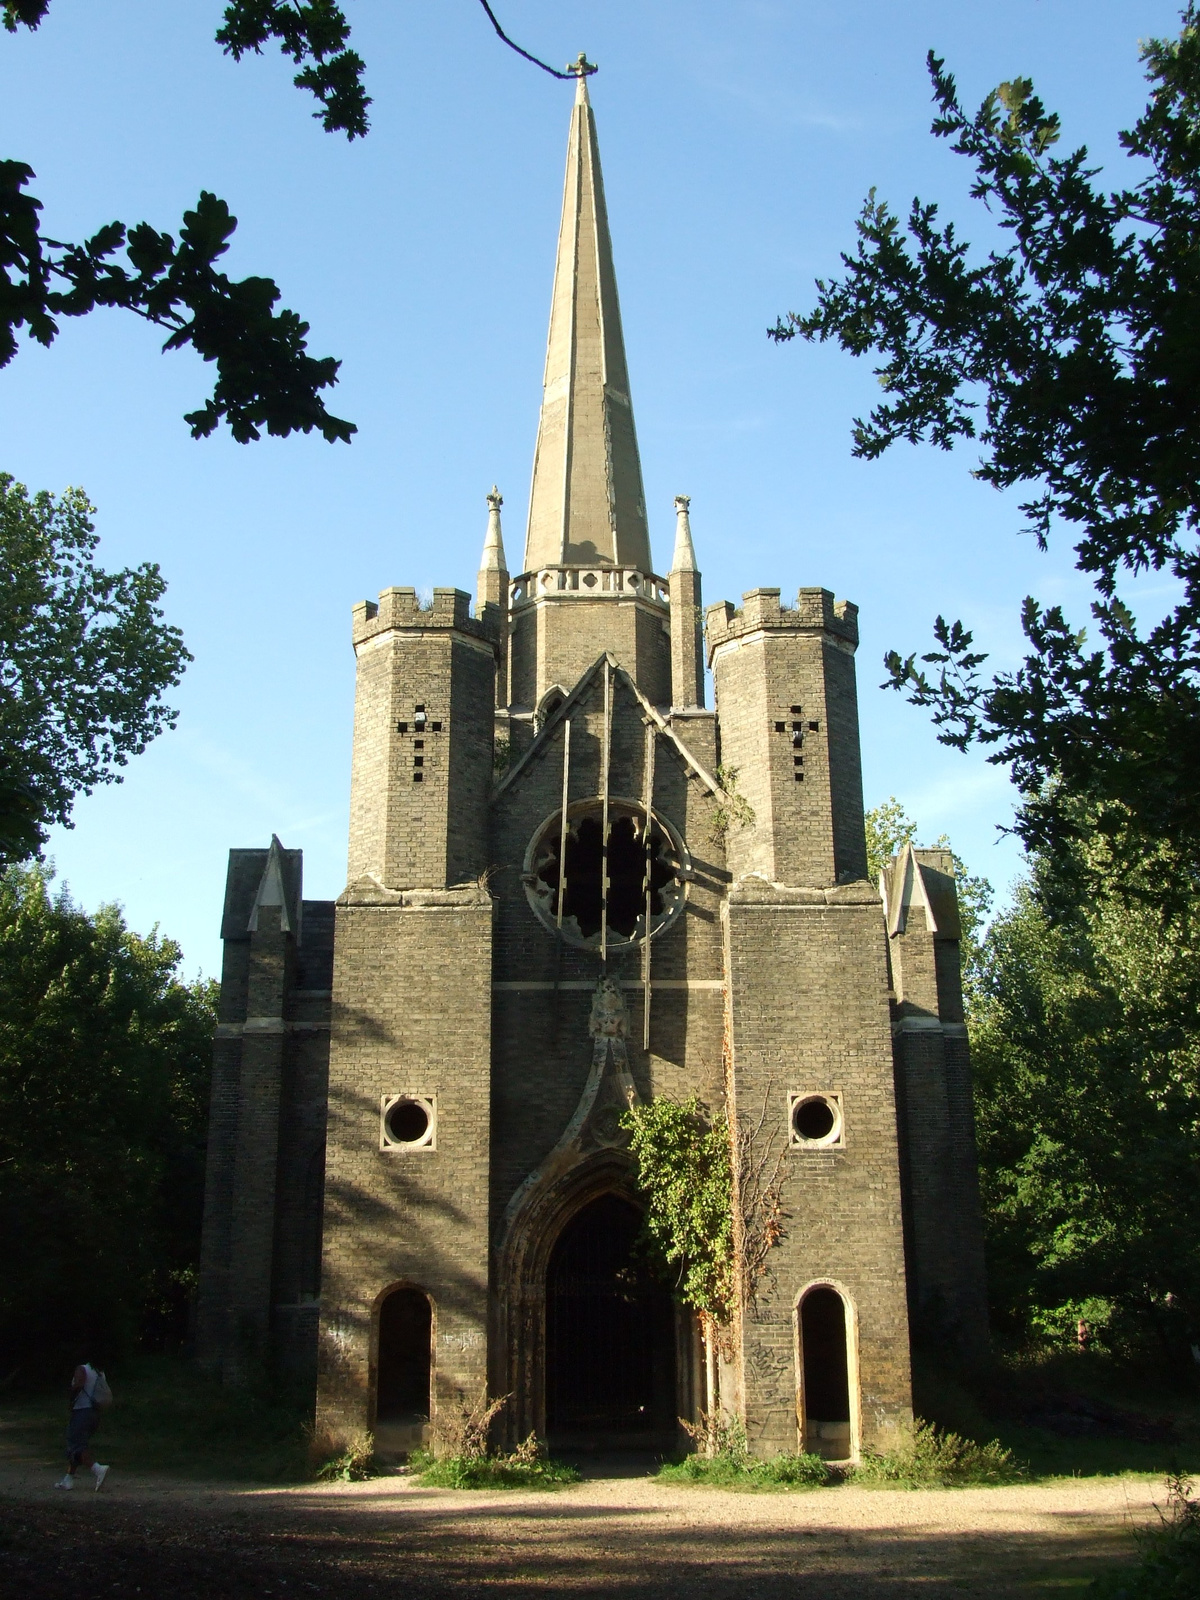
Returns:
<point x="587" y="506"/>
<point x="582" y="67"/>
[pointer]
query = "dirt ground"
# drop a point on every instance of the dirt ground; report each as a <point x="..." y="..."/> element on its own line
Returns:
<point x="621" y="1535"/>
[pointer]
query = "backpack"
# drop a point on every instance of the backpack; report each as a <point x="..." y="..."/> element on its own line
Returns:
<point x="101" y="1394"/>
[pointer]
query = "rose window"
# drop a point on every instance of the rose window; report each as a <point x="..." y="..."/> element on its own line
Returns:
<point x="643" y="875"/>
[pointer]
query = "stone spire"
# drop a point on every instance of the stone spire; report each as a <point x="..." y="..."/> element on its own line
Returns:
<point x="684" y="558"/>
<point x="587" y="507"/>
<point x="493" y="545"/>
<point x="687" y="630"/>
<point x="491" y="588"/>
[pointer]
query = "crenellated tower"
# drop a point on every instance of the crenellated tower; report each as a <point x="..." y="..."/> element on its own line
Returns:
<point x="787" y="707"/>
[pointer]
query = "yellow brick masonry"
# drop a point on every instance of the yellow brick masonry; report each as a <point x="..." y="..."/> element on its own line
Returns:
<point x="411" y="1012"/>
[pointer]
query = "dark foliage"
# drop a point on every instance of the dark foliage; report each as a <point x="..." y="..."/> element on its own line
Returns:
<point x="1070" y="356"/>
<point x="104" y="1062"/>
<point x="314" y="34"/>
<point x="265" y="376"/>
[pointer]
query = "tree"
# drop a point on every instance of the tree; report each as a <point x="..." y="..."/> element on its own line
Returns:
<point x="1085" y="1041"/>
<point x="265" y="376"/>
<point x="1069" y="356"/>
<point x="104" y="1062"/>
<point x="85" y="659"/>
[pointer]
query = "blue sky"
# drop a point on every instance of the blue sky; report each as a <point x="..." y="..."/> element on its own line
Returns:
<point x="738" y="141"/>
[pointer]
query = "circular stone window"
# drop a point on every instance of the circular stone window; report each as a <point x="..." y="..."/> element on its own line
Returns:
<point x="816" y="1119"/>
<point x="640" y="870"/>
<point x="408" y="1123"/>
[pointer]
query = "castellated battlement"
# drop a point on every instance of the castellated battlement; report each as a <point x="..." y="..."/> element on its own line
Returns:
<point x="815" y="609"/>
<point x="398" y="607"/>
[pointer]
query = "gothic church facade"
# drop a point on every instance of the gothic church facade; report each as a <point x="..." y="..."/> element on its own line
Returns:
<point x="572" y="887"/>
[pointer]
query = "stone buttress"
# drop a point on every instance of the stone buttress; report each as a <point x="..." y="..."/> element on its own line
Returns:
<point x="947" y="1287"/>
<point x="260" y="1265"/>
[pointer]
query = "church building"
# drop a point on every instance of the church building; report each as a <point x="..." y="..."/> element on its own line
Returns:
<point x="573" y="887"/>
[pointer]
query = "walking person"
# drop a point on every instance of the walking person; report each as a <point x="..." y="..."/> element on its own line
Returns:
<point x="89" y="1392"/>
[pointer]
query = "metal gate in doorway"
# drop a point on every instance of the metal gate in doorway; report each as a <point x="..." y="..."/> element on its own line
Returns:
<point x="610" y="1335"/>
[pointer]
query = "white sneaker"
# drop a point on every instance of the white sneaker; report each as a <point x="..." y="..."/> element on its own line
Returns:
<point x="65" y="1483"/>
<point x="100" y="1474"/>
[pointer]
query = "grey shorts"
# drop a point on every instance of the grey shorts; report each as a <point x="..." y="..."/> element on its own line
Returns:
<point x="80" y="1428"/>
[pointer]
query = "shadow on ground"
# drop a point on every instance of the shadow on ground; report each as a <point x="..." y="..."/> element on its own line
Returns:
<point x="549" y="1548"/>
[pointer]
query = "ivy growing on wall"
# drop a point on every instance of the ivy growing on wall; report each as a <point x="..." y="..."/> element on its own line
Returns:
<point x="685" y="1172"/>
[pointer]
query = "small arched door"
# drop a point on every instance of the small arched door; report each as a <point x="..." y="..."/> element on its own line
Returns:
<point x="610" y="1335"/>
<point x="825" y="1368"/>
<point x="405" y="1350"/>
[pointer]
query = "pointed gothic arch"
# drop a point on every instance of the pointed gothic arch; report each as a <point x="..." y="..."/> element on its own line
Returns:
<point x="532" y="1231"/>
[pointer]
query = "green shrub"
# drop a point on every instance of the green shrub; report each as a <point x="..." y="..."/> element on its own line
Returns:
<point x="345" y="1460"/>
<point x="473" y="1467"/>
<point x="926" y="1458"/>
<point x="722" y="1460"/>
<point x="746" y="1475"/>
<point x="1169" y="1568"/>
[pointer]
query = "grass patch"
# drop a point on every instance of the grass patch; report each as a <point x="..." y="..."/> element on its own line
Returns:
<point x="525" y="1468"/>
<point x="1070" y="1415"/>
<point x="926" y="1459"/>
<point x="169" y="1418"/>
<point x="723" y="1461"/>
<point x="745" y="1475"/>
<point x="1169" y="1555"/>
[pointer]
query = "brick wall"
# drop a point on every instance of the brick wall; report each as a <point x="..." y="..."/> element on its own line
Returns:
<point x="423" y="726"/>
<point x="808" y="1012"/>
<point x="555" y="639"/>
<point x="411" y="1014"/>
<point x="947" y="1284"/>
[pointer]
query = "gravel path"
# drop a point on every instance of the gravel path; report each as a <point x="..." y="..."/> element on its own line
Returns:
<point x="625" y="1536"/>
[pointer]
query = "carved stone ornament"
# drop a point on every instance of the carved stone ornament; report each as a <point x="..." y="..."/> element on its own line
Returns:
<point x="608" y="1093"/>
<point x="609" y="1019"/>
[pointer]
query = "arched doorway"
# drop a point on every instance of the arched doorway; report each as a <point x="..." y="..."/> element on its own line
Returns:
<point x="610" y="1335"/>
<point x="825" y="1364"/>
<point x="403" y="1369"/>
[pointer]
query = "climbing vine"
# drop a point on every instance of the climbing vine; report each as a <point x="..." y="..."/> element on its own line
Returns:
<point x="697" y="1218"/>
<point x="733" y="809"/>
<point x="685" y="1173"/>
